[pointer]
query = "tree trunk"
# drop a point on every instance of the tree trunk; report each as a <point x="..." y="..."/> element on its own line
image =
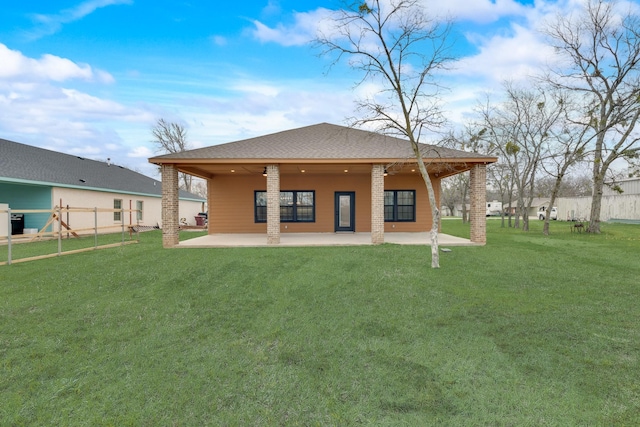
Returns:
<point x="435" y="212"/>
<point x="554" y="193"/>
<point x="435" y="254"/>
<point x="519" y="210"/>
<point x="596" y="205"/>
<point x="187" y="180"/>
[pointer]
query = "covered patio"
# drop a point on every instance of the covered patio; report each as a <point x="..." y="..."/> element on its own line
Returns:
<point x="221" y="240"/>
<point x="320" y="185"/>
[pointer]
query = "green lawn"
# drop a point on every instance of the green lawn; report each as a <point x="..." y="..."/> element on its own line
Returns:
<point x="527" y="331"/>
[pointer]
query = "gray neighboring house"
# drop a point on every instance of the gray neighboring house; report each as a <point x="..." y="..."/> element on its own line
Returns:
<point x="35" y="178"/>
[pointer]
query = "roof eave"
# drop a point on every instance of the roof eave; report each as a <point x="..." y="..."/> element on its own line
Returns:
<point x="261" y="161"/>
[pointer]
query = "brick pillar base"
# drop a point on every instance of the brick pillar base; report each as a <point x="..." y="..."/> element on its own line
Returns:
<point x="273" y="205"/>
<point x="478" y="196"/>
<point x="377" y="204"/>
<point x="170" y="206"/>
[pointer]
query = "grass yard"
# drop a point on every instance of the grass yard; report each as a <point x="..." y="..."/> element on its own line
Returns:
<point x="527" y="331"/>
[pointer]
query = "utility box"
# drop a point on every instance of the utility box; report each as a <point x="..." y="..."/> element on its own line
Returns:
<point x="17" y="223"/>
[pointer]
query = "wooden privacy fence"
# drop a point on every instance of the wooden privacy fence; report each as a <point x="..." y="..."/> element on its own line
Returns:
<point x="57" y="228"/>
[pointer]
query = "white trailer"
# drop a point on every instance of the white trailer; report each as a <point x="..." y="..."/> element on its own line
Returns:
<point x="494" y="208"/>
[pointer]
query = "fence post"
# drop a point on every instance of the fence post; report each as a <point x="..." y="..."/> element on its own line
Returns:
<point x="95" y="227"/>
<point x="9" y="233"/>
<point x="59" y="231"/>
<point x="122" y="220"/>
<point x="68" y="222"/>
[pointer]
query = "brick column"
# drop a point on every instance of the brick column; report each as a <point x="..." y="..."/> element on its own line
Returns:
<point x="209" y="209"/>
<point x="273" y="205"/>
<point x="170" y="206"/>
<point x="478" y="196"/>
<point x="377" y="204"/>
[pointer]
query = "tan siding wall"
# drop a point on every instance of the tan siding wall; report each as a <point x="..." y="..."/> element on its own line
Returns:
<point x="231" y="204"/>
<point x="231" y="199"/>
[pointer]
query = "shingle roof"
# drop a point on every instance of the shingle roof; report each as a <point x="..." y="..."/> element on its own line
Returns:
<point x="21" y="162"/>
<point x="321" y="141"/>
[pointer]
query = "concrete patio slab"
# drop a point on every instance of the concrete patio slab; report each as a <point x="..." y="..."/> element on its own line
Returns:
<point x="318" y="239"/>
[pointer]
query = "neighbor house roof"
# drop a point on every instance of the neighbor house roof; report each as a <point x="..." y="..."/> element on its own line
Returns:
<point x="322" y="141"/>
<point x="21" y="163"/>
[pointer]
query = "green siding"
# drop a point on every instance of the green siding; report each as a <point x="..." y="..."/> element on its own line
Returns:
<point x="22" y="196"/>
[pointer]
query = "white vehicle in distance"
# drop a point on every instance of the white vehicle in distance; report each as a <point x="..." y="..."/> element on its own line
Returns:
<point x="542" y="212"/>
<point x="494" y="208"/>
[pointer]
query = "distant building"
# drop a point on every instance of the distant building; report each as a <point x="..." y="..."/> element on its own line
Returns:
<point x="537" y="203"/>
<point x="35" y="178"/>
<point x="616" y="206"/>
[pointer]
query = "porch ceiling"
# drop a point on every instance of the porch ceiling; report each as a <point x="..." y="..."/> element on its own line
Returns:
<point x="209" y="170"/>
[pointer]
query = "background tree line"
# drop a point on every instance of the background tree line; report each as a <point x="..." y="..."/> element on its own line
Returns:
<point x="581" y="110"/>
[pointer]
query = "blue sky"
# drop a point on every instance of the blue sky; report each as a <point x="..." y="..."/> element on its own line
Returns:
<point x="91" y="77"/>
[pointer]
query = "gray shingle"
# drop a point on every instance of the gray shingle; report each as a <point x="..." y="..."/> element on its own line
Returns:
<point x="320" y="141"/>
<point x="27" y="163"/>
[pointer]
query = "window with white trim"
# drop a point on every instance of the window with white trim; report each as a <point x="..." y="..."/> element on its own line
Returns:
<point x="139" y="209"/>
<point x="117" y="204"/>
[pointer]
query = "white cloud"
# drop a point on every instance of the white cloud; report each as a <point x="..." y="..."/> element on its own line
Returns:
<point x="40" y="106"/>
<point x="480" y="11"/>
<point x="258" y="107"/>
<point x="17" y="67"/>
<point x="272" y="8"/>
<point x="219" y="40"/>
<point x="302" y="31"/>
<point x="305" y="25"/>
<point x="51" y="24"/>
<point x="140" y="152"/>
<point x="501" y="57"/>
<point x="267" y="89"/>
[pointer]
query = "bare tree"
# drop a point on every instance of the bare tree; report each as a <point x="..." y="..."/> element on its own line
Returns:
<point x="566" y="147"/>
<point x="503" y="182"/>
<point x="520" y="129"/>
<point x="469" y="139"/>
<point x="601" y="52"/>
<point x="397" y="44"/>
<point x="171" y="137"/>
<point x="634" y="169"/>
<point x="199" y="187"/>
<point x="574" y="184"/>
<point x="454" y="191"/>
